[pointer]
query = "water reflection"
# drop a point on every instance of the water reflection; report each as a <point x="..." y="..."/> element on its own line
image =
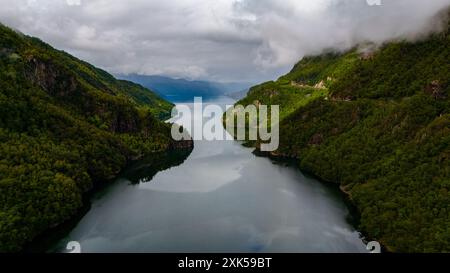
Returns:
<point x="144" y="170"/>
<point x="223" y="198"/>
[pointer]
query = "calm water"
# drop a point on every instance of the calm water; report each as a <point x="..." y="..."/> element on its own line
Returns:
<point x="222" y="198"/>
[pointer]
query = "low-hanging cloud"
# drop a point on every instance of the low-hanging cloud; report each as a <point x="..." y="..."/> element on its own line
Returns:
<point x="225" y="40"/>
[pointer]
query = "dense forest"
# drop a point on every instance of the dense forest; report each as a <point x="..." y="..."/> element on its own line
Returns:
<point x="376" y="120"/>
<point x="64" y="126"/>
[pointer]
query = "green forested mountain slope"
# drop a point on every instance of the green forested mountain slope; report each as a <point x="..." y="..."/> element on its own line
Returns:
<point x="378" y="123"/>
<point x="64" y="125"/>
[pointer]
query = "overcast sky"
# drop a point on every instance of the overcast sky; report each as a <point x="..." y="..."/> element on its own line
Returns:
<point x="221" y="40"/>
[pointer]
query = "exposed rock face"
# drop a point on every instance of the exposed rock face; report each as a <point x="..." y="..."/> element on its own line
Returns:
<point x="124" y="124"/>
<point x="182" y="145"/>
<point x="50" y="77"/>
<point x="436" y="90"/>
<point x="320" y="85"/>
<point x="367" y="55"/>
<point x="342" y="98"/>
<point x="316" y="139"/>
<point x="62" y="84"/>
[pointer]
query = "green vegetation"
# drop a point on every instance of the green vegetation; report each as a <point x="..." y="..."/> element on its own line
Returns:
<point x="64" y="125"/>
<point x="380" y="127"/>
<point x="284" y="93"/>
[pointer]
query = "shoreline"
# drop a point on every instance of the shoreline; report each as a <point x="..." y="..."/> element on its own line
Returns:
<point x="353" y="209"/>
<point x="43" y="241"/>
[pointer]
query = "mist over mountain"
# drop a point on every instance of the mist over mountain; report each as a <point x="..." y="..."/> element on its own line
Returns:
<point x="182" y="90"/>
<point x="376" y="121"/>
<point x="222" y="40"/>
<point x="361" y="125"/>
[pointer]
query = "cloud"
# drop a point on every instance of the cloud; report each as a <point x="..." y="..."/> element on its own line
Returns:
<point x="297" y="28"/>
<point x="73" y="2"/>
<point x="227" y="40"/>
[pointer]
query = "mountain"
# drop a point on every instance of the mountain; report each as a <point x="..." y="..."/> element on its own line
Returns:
<point x="238" y="95"/>
<point x="181" y="90"/>
<point x="65" y="127"/>
<point x="378" y="124"/>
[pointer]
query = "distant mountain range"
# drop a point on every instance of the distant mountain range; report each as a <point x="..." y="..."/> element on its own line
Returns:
<point x="238" y="95"/>
<point x="178" y="90"/>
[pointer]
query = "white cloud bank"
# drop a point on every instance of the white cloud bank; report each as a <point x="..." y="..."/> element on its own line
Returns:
<point x="238" y="40"/>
